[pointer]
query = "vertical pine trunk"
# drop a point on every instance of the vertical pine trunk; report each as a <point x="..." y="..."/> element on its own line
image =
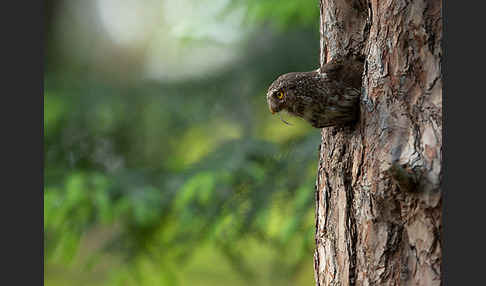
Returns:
<point x="378" y="197"/>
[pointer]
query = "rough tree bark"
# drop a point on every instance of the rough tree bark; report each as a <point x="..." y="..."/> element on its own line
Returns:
<point x="378" y="196"/>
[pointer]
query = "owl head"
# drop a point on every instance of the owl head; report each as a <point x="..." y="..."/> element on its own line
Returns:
<point x="280" y="94"/>
<point x="290" y="90"/>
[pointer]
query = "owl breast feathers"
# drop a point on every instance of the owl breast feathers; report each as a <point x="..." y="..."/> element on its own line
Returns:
<point x="325" y="97"/>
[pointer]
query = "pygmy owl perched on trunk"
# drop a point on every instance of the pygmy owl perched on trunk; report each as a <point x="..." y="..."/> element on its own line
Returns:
<point x="325" y="97"/>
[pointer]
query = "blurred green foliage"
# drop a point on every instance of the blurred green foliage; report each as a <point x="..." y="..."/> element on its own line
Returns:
<point x="183" y="183"/>
<point x="285" y="14"/>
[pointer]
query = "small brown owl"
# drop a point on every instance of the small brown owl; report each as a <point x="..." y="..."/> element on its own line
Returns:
<point x="325" y="97"/>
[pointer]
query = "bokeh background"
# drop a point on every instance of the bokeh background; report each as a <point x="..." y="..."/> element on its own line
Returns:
<point x="163" y="165"/>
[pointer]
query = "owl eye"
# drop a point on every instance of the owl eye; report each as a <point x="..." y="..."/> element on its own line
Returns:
<point x="280" y="95"/>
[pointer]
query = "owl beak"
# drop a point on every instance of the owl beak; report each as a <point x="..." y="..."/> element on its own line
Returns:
<point x="272" y="107"/>
<point x="271" y="110"/>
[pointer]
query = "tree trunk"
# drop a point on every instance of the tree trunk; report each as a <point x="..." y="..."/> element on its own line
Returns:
<point x="378" y="196"/>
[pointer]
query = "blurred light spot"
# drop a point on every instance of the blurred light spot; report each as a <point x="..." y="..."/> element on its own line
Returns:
<point x="198" y="38"/>
<point x="200" y="19"/>
<point x="128" y="21"/>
